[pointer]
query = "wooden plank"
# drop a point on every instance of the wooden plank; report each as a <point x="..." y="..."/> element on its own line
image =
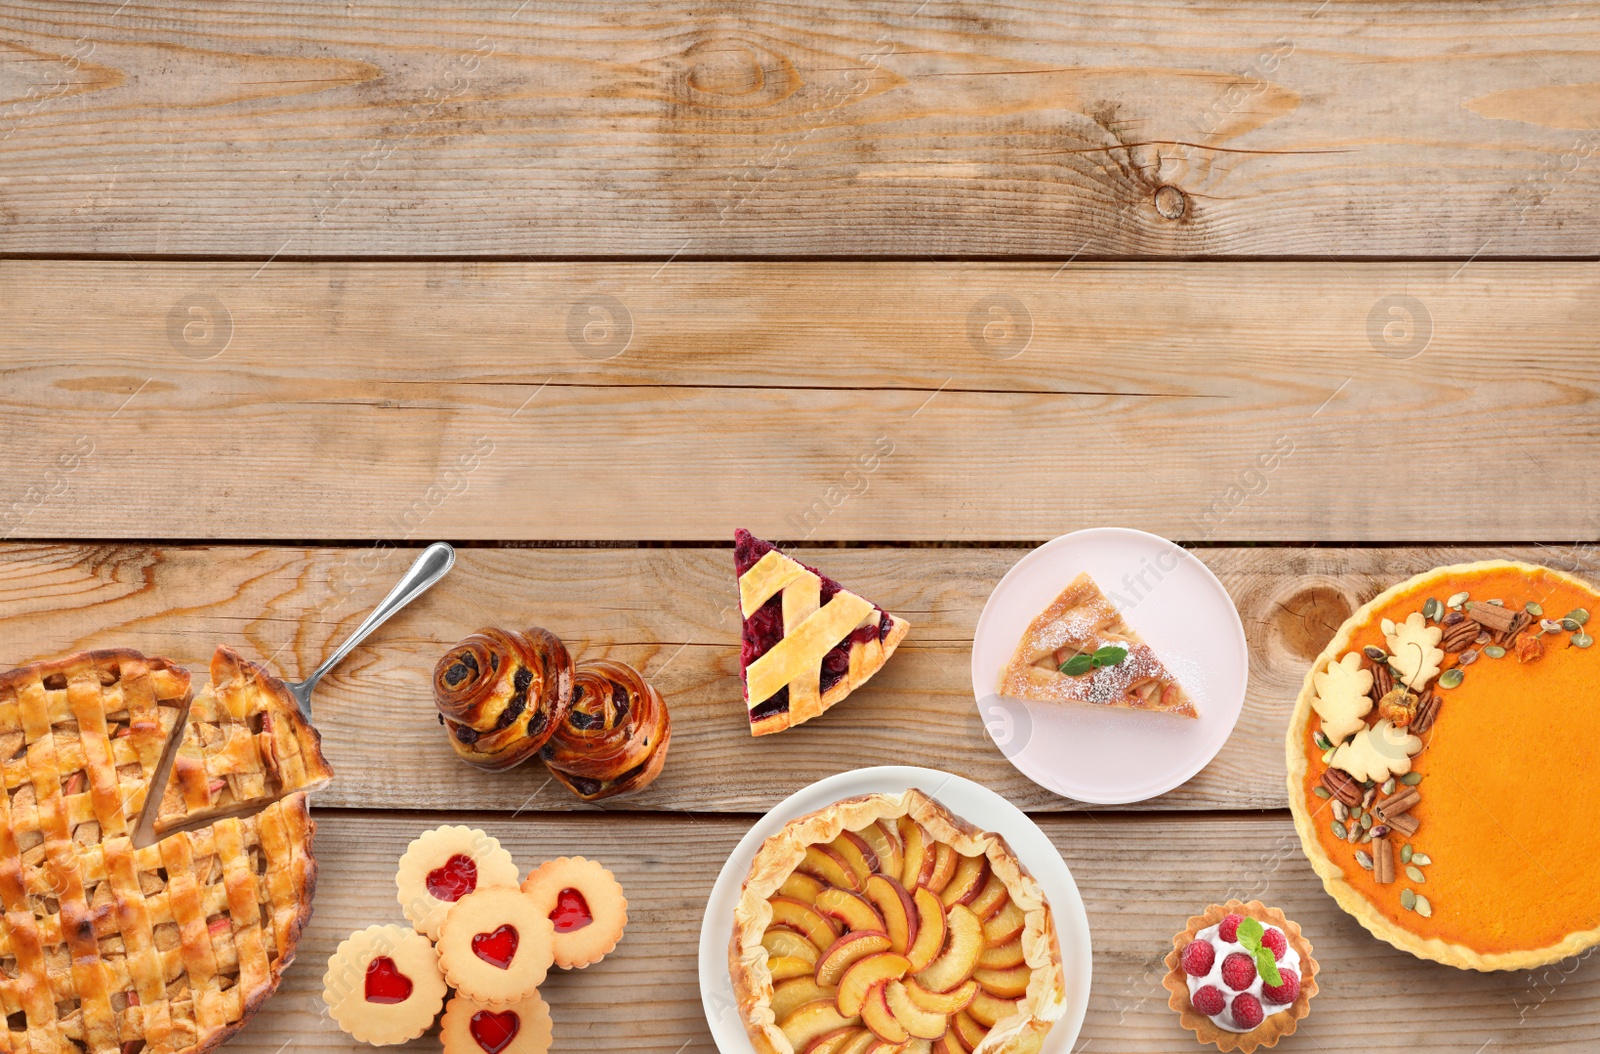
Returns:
<point x="1217" y="402"/>
<point x="1139" y="878"/>
<point x="893" y="127"/>
<point x="667" y="611"/>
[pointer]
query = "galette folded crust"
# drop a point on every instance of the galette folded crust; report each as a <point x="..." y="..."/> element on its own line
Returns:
<point x="1042" y="1005"/>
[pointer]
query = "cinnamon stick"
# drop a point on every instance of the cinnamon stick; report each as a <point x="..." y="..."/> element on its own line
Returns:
<point x="1382" y="861"/>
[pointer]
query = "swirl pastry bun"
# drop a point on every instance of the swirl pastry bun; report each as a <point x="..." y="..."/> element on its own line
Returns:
<point x="613" y="739"/>
<point x="503" y="694"/>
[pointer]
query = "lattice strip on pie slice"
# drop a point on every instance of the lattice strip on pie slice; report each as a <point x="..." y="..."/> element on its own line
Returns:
<point x="245" y="743"/>
<point x="807" y="641"/>
<point x="1080" y="621"/>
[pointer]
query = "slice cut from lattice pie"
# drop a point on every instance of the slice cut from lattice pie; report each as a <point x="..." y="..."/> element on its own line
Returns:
<point x="245" y="744"/>
<point x="1055" y="660"/>
<point x="807" y="642"/>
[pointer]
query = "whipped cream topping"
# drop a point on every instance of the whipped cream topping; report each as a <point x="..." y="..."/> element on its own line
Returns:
<point x="1290" y="960"/>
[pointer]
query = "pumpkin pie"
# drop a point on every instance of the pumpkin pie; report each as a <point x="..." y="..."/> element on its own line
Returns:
<point x="885" y="922"/>
<point x="1441" y="762"/>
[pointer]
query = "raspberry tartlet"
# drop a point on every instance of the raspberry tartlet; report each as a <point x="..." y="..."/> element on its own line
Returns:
<point x="442" y="866"/>
<point x="495" y="947"/>
<point x="585" y="905"/>
<point x="383" y="985"/>
<point x="1215" y="976"/>
<point x="521" y="1028"/>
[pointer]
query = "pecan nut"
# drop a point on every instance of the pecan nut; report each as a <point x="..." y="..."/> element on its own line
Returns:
<point x="1427" y="712"/>
<point x="1343" y="786"/>
<point x="1461" y="636"/>
<point x="1382" y="680"/>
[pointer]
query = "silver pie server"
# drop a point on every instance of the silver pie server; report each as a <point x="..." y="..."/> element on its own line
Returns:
<point x="431" y="566"/>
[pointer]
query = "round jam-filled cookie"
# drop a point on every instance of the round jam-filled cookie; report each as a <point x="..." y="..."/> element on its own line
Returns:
<point x="521" y="1028"/>
<point x="383" y="985"/>
<point x="584" y="903"/>
<point x="446" y="864"/>
<point x="495" y="947"/>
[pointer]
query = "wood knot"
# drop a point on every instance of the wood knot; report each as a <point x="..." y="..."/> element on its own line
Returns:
<point x="725" y="67"/>
<point x="1306" y="621"/>
<point x="1171" y="202"/>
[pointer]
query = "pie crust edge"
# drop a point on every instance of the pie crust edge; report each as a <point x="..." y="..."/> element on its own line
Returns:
<point x="1331" y="873"/>
<point x="1045" y="1001"/>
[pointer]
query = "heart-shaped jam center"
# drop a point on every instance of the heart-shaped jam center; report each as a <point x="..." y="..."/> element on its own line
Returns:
<point x="572" y="911"/>
<point x="497" y="948"/>
<point x="457" y="878"/>
<point x="385" y="982"/>
<point x="494" y="1032"/>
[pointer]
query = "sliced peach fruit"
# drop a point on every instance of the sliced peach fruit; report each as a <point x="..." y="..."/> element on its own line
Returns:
<point x="857" y="855"/>
<point x="972" y="874"/>
<point x="987" y="1009"/>
<point x="1004" y="926"/>
<point x="861" y="1040"/>
<point x="783" y="942"/>
<point x="885" y="843"/>
<point x="1001" y="955"/>
<point x="967" y="1030"/>
<point x="846" y="952"/>
<point x="960" y="956"/>
<point x="941" y="1002"/>
<point x="802" y="887"/>
<point x="823" y="862"/>
<point x="919" y="852"/>
<point x="945" y="860"/>
<point x="863" y="975"/>
<point x="833" y="1042"/>
<point x="789" y="996"/>
<point x="783" y="967"/>
<point x="897" y="909"/>
<point x="930" y="929"/>
<point x="876" y="1015"/>
<point x="920" y="1023"/>
<point x="804" y="919"/>
<point x="991" y="898"/>
<point x="849" y="909"/>
<point x="1009" y="983"/>
<point x="812" y="1021"/>
<point x="949" y="1043"/>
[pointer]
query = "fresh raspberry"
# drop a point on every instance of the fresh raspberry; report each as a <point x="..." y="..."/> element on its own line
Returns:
<point x="1228" y="930"/>
<point x="1238" y="971"/>
<point x="1275" y="940"/>
<point x="1283" y="993"/>
<point x="1209" y="1000"/>
<point x="1198" y="957"/>
<point x="1247" y="1011"/>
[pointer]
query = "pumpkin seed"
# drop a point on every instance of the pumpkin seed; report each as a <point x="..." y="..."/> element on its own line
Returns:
<point x="1405" y="853"/>
<point x="1415" y="874"/>
<point x="1578" y="615"/>
<point x="1388" y="785"/>
<point x="1375" y="653"/>
<point x="1571" y="625"/>
<point x="1363" y="859"/>
<point x="1451" y="677"/>
<point x="1339" y="830"/>
<point x="1322" y="792"/>
<point x="1495" y="651"/>
<point x="1366" y="821"/>
<point x="1432" y="609"/>
<point x="1323" y="743"/>
<point x="1496" y="602"/>
<point x="1341" y="811"/>
<point x="1327" y="756"/>
<point x="1581" y="640"/>
<point x="1421" y="859"/>
<point x="1424" y="908"/>
<point x="1533" y="608"/>
<point x="1483" y="638"/>
<point x="1550" y="625"/>
<point x="1468" y="657"/>
<point x="1408" y="899"/>
<point x="1411" y="779"/>
<point x="1365" y="838"/>
<point x="1457" y="599"/>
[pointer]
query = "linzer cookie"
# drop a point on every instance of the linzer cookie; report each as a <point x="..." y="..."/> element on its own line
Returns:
<point x="1460" y="694"/>
<point x="495" y="947"/>
<point x="442" y="866"/>
<point x="383" y="985"/>
<point x="585" y="904"/>
<point x="521" y="1028"/>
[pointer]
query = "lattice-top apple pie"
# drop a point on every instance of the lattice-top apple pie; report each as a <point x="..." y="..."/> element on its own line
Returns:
<point x="885" y="923"/>
<point x="108" y="949"/>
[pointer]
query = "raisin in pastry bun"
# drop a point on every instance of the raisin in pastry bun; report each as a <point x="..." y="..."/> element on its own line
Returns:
<point x="613" y="739"/>
<point x="502" y="694"/>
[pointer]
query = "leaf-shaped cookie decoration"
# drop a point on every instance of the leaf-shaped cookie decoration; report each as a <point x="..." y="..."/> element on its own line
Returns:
<point x="1377" y="752"/>
<point x="1414" y="652"/>
<point x="1342" y="700"/>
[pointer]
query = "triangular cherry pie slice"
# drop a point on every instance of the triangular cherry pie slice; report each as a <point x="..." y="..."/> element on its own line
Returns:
<point x="808" y="642"/>
<point x="1078" y="623"/>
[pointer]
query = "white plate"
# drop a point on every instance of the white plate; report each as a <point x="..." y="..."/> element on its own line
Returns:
<point x="1106" y="755"/>
<point x="977" y="805"/>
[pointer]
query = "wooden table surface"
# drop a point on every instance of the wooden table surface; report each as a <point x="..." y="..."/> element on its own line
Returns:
<point x="291" y="289"/>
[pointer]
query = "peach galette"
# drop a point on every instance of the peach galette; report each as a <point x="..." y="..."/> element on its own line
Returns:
<point x="886" y="924"/>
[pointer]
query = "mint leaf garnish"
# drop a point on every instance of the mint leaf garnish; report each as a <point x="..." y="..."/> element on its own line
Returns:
<point x="1250" y="933"/>
<point x="1110" y="655"/>
<point x="1078" y="665"/>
